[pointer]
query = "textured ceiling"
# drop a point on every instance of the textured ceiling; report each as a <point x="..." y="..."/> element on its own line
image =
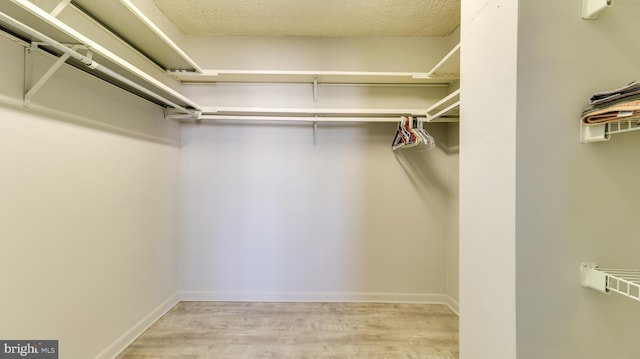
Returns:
<point x="313" y="17"/>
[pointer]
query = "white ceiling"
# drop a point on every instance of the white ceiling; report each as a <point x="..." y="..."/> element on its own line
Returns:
<point x="313" y="17"/>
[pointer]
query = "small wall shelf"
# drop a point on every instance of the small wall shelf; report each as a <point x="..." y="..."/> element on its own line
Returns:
<point x="621" y="281"/>
<point x="603" y="132"/>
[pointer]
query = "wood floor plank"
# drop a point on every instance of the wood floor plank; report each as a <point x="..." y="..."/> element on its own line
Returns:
<point x="235" y="330"/>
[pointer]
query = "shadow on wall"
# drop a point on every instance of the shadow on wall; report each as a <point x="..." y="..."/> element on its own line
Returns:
<point x="141" y="124"/>
<point x="77" y="98"/>
<point x="428" y="170"/>
<point x="266" y="211"/>
<point x="407" y="195"/>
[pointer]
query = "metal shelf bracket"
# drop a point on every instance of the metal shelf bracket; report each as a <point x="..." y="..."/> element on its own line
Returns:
<point x="591" y="277"/>
<point x="592" y="8"/>
<point x="30" y="90"/>
<point x="61" y="6"/>
<point x="315" y="87"/>
<point x="625" y="282"/>
<point x="602" y="132"/>
<point x="315" y="131"/>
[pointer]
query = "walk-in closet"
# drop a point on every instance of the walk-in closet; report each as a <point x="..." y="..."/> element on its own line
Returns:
<point x="317" y="179"/>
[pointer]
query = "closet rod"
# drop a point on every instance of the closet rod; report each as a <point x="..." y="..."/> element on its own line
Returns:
<point x="394" y="119"/>
<point x="299" y="114"/>
<point x="320" y="84"/>
<point x="312" y="111"/>
<point x="88" y="61"/>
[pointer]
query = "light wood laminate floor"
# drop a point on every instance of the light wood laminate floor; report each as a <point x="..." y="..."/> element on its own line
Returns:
<point x="233" y="330"/>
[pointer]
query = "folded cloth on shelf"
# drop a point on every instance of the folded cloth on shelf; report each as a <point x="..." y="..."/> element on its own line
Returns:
<point x="627" y="110"/>
<point x="600" y="98"/>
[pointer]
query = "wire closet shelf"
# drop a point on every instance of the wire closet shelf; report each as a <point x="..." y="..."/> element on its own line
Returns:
<point x="622" y="281"/>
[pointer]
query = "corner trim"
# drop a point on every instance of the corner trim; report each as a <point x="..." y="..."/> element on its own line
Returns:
<point x="120" y="344"/>
<point x="453" y="305"/>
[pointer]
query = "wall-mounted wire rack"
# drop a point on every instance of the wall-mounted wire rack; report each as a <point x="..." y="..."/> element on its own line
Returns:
<point x="621" y="281"/>
<point x="603" y="132"/>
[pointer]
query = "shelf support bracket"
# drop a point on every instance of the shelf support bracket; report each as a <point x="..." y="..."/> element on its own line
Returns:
<point x="174" y="114"/>
<point x="594" y="133"/>
<point x="591" y="277"/>
<point x="625" y="282"/>
<point x="592" y="8"/>
<point x="58" y="9"/>
<point x="315" y="131"/>
<point x="602" y="132"/>
<point x="31" y="90"/>
<point x="315" y="87"/>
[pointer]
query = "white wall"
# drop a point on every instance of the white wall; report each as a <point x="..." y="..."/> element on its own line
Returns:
<point x="575" y="202"/>
<point x="453" y="215"/>
<point x="88" y="211"/>
<point x="487" y="179"/>
<point x="415" y="54"/>
<point x="89" y="203"/>
<point x="266" y="215"/>
<point x="572" y="202"/>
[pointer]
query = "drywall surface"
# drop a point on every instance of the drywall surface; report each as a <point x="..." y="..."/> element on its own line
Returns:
<point x="88" y="209"/>
<point x="576" y="202"/>
<point x="413" y="54"/>
<point x="453" y="225"/>
<point x="487" y="179"/>
<point x="266" y="215"/>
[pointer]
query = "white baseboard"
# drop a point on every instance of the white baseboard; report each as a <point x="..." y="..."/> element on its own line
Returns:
<point x="195" y="296"/>
<point x="453" y="305"/>
<point x="132" y="334"/>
